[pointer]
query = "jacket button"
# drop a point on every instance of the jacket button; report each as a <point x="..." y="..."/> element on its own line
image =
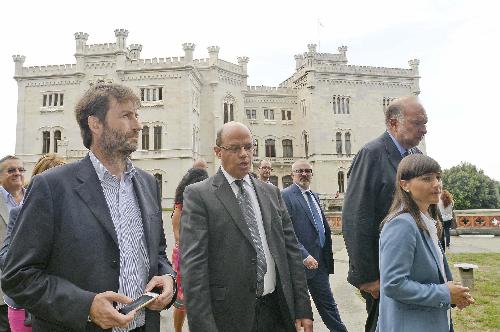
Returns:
<point x="253" y="261"/>
<point x="114" y="264"/>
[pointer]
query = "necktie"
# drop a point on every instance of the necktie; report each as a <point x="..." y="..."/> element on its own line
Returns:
<point x="318" y="220"/>
<point x="251" y="220"/>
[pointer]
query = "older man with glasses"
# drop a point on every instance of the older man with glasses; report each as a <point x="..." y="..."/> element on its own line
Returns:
<point x="265" y="170"/>
<point x="315" y="242"/>
<point x="12" y="195"/>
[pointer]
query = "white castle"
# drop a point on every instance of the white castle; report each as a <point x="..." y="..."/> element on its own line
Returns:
<point x="324" y="112"/>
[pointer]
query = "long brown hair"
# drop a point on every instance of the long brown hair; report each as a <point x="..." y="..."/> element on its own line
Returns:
<point x="410" y="167"/>
<point x="447" y="198"/>
<point x="47" y="161"/>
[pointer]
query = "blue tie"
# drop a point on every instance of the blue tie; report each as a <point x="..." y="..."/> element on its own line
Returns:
<point x="318" y="221"/>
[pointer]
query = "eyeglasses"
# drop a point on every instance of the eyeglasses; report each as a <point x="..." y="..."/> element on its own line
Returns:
<point x="12" y="170"/>
<point x="267" y="167"/>
<point x="300" y="171"/>
<point x="237" y="148"/>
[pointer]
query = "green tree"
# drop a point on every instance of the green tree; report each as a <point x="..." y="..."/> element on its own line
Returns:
<point x="471" y="188"/>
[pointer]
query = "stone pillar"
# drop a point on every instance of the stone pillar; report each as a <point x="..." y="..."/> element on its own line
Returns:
<point x="243" y="62"/>
<point x="121" y="44"/>
<point x="188" y="53"/>
<point x="343" y="51"/>
<point x="414" y="67"/>
<point x="298" y="61"/>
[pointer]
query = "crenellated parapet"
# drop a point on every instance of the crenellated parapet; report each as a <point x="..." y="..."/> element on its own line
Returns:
<point x="121" y="39"/>
<point x="134" y="51"/>
<point x="188" y="52"/>
<point x="19" y="61"/>
<point x="213" y="53"/>
<point x="231" y="67"/>
<point x="271" y="89"/>
<point x="243" y="62"/>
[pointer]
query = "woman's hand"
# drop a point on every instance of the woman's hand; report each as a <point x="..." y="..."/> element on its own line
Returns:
<point x="460" y="295"/>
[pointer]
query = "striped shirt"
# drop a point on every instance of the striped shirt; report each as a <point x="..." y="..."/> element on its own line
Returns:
<point x="126" y="216"/>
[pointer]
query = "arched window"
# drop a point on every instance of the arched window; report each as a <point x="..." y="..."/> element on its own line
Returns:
<point x="287" y="148"/>
<point x="157" y="137"/>
<point x="341" y="181"/>
<point x="287" y="181"/>
<point x="46" y="142"/>
<point x="228" y="111"/>
<point x="270" y="148"/>
<point x="274" y="180"/>
<point x="159" y="179"/>
<point x="339" y="142"/>
<point x="145" y="138"/>
<point x="57" y="138"/>
<point x="347" y="138"/>
<point x="255" y="148"/>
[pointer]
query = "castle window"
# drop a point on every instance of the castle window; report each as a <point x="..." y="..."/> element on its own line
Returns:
<point x="46" y="142"/>
<point x="339" y="142"/>
<point x="340" y="105"/>
<point x="287" y="148"/>
<point x="228" y="112"/>
<point x="270" y="148"/>
<point x="286" y="115"/>
<point x="347" y="139"/>
<point x="269" y="114"/>
<point x="157" y="137"/>
<point x="255" y="148"/>
<point x="152" y="94"/>
<point x="340" y="177"/>
<point x="52" y="99"/>
<point x="306" y="143"/>
<point x="159" y="180"/>
<point x="145" y="138"/>
<point x="287" y="181"/>
<point x="57" y="138"/>
<point x="251" y="114"/>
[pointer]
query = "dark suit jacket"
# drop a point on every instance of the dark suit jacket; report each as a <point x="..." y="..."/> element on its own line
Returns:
<point x="369" y="194"/>
<point x="218" y="261"/>
<point x="303" y="224"/>
<point x="65" y="248"/>
<point x="4" y="221"/>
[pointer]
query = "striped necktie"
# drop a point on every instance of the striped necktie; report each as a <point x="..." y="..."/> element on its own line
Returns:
<point x="251" y="220"/>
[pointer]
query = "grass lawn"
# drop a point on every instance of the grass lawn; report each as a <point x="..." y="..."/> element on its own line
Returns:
<point x="483" y="316"/>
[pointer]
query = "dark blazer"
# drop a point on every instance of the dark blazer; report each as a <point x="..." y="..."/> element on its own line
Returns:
<point x="303" y="224"/>
<point x="14" y="213"/>
<point x="65" y="248"/>
<point x="4" y="221"/>
<point x="366" y="202"/>
<point x="219" y="260"/>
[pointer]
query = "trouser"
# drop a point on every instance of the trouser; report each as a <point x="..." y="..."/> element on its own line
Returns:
<point x="372" y="311"/>
<point x="446" y="230"/>
<point x="4" y="320"/>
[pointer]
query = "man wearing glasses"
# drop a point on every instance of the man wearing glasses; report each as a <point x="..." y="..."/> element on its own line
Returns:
<point x="12" y="195"/>
<point x="241" y="263"/>
<point x="265" y="170"/>
<point x="315" y="242"/>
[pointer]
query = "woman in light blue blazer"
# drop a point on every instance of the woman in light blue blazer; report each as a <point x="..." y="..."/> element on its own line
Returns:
<point x="416" y="287"/>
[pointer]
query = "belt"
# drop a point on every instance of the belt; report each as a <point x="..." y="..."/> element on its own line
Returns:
<point x="266" y="299"/>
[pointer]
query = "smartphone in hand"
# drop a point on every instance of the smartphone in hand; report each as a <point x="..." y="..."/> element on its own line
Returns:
<point x="139" y="303"/>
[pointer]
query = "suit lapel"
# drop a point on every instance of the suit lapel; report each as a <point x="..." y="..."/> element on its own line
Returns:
<point x="264" y="204"/>
<point x="226" y="196"/>
<point x="90" y="191"/>
<point x="392" y="151"/>
<point x="432" y="247"/>
<point x="305" y="206"/>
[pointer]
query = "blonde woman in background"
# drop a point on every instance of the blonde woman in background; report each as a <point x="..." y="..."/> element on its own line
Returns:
<point x="445" y="206"/>
<point x="19" y="320"/>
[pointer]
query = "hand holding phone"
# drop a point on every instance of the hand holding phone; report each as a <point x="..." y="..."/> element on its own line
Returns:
<point x="139" y="303"/>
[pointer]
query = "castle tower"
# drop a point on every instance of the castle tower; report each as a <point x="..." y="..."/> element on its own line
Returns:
<point x="414" y="67"/>
<point x="343" y="52"/>
<point x="19" y="61"/>
<point x="298" y="61"/>
<point x="81" y="42"/>
<point x="121" y="39"/>
<point x="188" y="52"/>
<point x="243" y="62"/>
<point x="135" y="51"/>
<point x="213" y="52"/>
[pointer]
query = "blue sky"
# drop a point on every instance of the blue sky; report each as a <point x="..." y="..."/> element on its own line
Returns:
<point x="457" y="43"/>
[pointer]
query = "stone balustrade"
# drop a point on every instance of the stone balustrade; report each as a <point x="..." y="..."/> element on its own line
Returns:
<point x="481" y="221"/>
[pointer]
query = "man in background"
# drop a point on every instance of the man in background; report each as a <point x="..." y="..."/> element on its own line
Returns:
<point x="370" y="192"/>
<point x="265" y="170"/>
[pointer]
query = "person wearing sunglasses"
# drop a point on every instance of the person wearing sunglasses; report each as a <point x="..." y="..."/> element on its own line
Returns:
<point x="315" y="242"/>
<point x="12" y="195"/>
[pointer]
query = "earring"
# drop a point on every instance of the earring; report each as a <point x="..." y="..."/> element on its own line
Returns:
<point x="407" y="190"/>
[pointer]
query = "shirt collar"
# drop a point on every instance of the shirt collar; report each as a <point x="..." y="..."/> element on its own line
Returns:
<point x="303" y="191"/>
<point x="9" y="199"/>
<point x="400" y="148"/>
<point x="102" y="171"/>
<point x="231" y="178"/>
